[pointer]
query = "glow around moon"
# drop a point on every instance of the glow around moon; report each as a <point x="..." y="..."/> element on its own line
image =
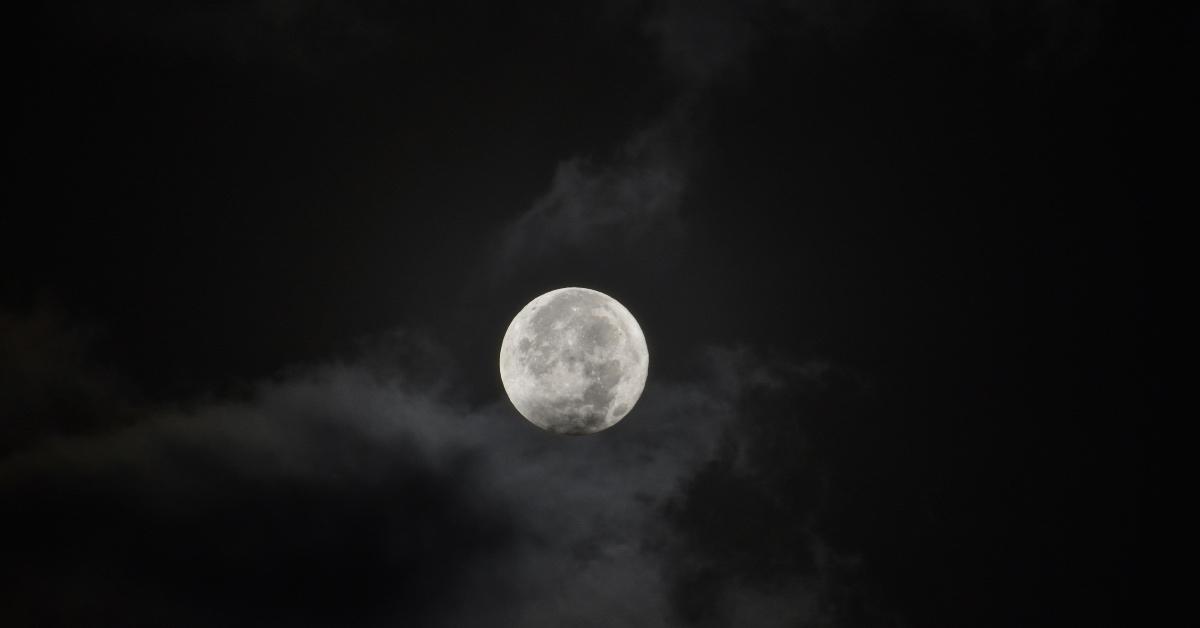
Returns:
<point x="574" y="361"/>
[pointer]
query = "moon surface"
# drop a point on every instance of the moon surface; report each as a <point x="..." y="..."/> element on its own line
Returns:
<point x="574" y="361"/>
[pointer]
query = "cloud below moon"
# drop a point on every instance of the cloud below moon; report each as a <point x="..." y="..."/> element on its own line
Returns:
<point x="362" y="490"/>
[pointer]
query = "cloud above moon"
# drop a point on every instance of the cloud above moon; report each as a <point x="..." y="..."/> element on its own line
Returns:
<point x="623" y="194"/>
<point x="600" y="203"/>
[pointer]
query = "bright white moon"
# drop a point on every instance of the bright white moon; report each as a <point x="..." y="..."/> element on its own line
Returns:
<point x="574" y="361"/>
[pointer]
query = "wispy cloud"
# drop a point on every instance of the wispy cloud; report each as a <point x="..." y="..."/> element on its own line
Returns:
<point x="634" y="195"/>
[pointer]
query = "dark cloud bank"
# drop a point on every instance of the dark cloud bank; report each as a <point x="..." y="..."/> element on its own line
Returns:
<point x="349" y="494"/>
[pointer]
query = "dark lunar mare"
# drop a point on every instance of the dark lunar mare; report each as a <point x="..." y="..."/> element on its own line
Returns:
<point x="574" y="310"/>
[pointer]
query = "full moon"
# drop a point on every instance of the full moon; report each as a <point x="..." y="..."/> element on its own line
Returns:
<point x="574" y="361"/>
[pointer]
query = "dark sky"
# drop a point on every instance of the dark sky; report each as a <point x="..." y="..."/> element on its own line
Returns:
<point x="891" y="261"/>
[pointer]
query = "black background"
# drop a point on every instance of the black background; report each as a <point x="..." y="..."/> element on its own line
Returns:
<point x="942" y="201"/>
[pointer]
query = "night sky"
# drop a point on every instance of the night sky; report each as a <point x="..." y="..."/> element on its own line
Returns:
<point x="891" y="261"/>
